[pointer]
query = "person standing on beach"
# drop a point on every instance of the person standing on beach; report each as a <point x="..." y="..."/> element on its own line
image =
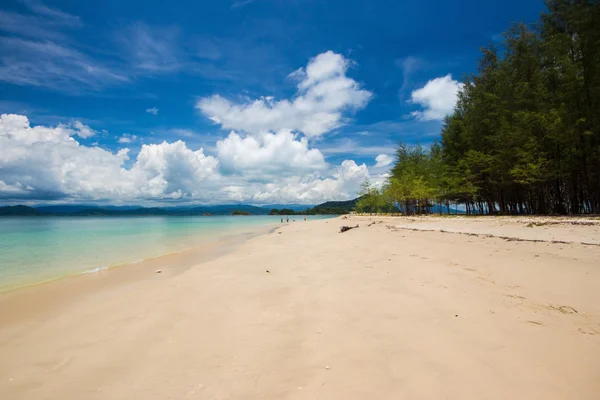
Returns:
<point x="287" y="219"/>
<point x="305" y="217"/>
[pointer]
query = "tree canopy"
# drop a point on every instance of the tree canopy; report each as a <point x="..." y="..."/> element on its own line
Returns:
<point x="525" y="134"/>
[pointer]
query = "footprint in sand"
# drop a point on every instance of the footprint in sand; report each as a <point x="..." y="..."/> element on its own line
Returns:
<point x="563" y="309"/>
<point x="587" y="331"/>
<point x="515" y="296"/>
<point x="482" y="278"/>
<point x="536" y="323"/>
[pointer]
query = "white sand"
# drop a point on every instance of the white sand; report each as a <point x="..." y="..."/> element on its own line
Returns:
<point x="371" y="313"/>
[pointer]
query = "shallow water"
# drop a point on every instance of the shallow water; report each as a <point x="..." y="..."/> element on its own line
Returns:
<point x="38" y="249"/>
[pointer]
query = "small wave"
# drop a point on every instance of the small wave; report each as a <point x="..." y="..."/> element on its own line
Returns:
<point x="95" y="270"/>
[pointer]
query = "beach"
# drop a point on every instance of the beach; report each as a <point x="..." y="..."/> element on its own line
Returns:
<point x="417" y="308"/>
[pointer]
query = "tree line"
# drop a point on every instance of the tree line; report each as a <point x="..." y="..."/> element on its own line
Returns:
<point x="524" y="137"/>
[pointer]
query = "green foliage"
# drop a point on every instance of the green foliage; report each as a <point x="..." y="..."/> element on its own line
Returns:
<point x="333" y="208"/>
<point x="238" y="212"/>
<point x="18" y="211"/>
<point x="525" y="134"/>
<point x="374" y="201"/>
<point x="284" y="211"/>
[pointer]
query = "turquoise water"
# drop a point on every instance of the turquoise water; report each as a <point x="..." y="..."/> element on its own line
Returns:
<point x="38" y="249"/>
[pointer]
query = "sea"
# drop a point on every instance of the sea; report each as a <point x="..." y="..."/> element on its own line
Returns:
<point x="40" y="249"/>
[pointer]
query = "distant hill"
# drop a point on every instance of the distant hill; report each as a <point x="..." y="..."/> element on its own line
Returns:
<point x="334" y="207"/>
<point x="19" y="210"/>
<point x="97" y="211"/>
<point x="294" y="207"/>
<point x="79" y="210"/>
<point x="228" y="210"/>
<point x="70" y="209"/>
<point x="89" y="210"/>
<point x="63" y="208"/>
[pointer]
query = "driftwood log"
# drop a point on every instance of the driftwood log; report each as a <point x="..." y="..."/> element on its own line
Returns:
<point x="347" y="228"/>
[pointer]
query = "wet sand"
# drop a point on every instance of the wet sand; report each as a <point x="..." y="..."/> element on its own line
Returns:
<point x="423" y="308"/>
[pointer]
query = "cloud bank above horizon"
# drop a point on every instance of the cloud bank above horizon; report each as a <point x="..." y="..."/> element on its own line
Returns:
<point x="270" y="154"/>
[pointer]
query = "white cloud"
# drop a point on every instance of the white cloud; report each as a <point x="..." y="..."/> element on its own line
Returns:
<point x="82" y="130"/>
<point x="127" y="138"/>
<point x="267" y="155"/>
<point x="344" y="184"/>
<point x="438" y="98"/>
<point x="47" y="163"/>
<point x="383" y="160"/>
<point x="152" y="110"/>
<point x="171" y="170"/>
<point x="324" y="94"/>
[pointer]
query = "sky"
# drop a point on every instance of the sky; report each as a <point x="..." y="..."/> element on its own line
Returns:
<point x="205" y="102"/>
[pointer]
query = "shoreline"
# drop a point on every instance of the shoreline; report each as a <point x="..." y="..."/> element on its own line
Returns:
<point x="38" y="297"/>
<point x="198" y="240"/>
<point x="306" y="312"/>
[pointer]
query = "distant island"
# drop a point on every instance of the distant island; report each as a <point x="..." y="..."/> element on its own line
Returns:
<point x="238" y="212"/>
<point x="330" y="207"/>
<point x="367" y="203"/>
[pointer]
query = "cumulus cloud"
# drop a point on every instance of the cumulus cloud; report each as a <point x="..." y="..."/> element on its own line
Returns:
<point x="49" y="163"/>
<point x="383" y="160"/>
<point x="324" y="94"/>
<point x="127" y="138"/>
<point x="152" y="110"/>
<point x="82" y="130"/>
<point x="343" y="184"/>
<point x="267" y="155"/>
<point x="171" y="170"/>
<point x="437" y="98"/>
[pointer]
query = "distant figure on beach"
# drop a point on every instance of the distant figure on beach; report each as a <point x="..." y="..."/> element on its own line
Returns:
<point x="282" y="220"/>
<point x="305" y="217"/>
<point x="287" y="219"/>
<point x="293" y="219"/>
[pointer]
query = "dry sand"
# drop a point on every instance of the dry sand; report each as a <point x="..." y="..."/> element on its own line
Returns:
<point x="379" y="312"/>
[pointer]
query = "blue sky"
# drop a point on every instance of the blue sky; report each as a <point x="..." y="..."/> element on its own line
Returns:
<point x="129" y="74"/>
